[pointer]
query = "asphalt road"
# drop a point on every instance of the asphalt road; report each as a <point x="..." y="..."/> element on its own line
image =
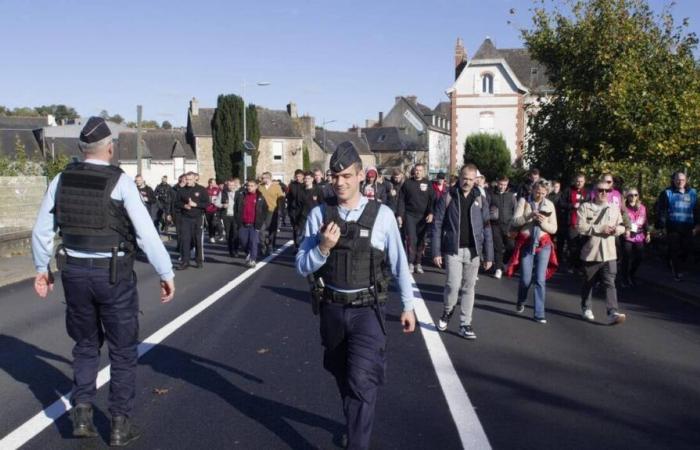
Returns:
<point x="247" y="373"/>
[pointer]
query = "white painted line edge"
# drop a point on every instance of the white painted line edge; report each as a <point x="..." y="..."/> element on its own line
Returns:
<point x="470" y="430"/>
<point x="50" y="414"/>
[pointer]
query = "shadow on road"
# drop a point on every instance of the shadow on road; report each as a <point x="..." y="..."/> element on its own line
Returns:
<point x="26" y="363"/>
<point x="273" y="415"/>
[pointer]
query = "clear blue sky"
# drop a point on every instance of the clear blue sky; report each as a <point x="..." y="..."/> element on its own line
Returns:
<point x="337" y="59"/>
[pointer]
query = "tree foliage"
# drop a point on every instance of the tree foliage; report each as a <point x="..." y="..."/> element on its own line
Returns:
<point x="253" y="135"/>
<point x="306" y="159"/>
<point x="490" y="154"/>
<point x="227" y="128"/>
<point x="60" y="112"/>
<point x="166" y="125"/>
<point x="625" y="91"/>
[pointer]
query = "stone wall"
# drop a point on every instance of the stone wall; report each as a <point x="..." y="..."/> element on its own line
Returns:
<point x="21" y="198"/>
<point x="204" y="148"/>
<point x="292" y="158"/>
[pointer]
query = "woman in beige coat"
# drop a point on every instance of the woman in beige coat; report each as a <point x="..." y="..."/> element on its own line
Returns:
<point x="535" y="221"/>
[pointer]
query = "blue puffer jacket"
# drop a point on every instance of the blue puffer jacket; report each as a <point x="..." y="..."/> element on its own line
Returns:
<point x="446" y="225"/>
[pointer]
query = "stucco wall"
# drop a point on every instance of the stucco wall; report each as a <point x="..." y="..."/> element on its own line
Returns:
<point x="292" y="158"/>
<point x="22" y="198"/>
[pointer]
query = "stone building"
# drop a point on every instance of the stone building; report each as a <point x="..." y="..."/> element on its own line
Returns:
<point x="428" y="128"/>
<point x="394" y="148"/>
<point x="201" y="138"/>
<point x="328" y="141"/>
<point x="280" y="150"/>
<point x="164" y="152"/>
<point x="491" y="94"/>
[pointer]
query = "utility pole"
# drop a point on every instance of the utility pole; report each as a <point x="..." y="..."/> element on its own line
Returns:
<point x="139" y="149"/>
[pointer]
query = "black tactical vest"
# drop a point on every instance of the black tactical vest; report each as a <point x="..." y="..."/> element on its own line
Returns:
<point x="88" y="218"/>
<point x="349" y="265"/>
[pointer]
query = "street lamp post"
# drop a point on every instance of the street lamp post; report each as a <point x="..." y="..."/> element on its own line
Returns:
<point x="245" y="129"/>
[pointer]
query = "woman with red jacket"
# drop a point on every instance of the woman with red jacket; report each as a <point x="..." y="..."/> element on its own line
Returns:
<point x="636" y="237"/>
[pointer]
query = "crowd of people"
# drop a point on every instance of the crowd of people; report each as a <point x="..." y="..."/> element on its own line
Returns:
<point x="533" y="229"/>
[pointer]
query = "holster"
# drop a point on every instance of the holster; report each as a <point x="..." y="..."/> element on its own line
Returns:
<point x="60" y="257"/>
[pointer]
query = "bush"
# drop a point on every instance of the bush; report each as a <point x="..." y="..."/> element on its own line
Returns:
<point x="490" y="154"/>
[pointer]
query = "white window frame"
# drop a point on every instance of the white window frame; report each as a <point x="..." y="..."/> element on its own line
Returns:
<point x="281" y="154"/>
<point x="487" y="88"/>
<point x="483" y="116"/>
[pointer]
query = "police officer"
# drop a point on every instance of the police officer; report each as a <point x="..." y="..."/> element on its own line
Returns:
<point x="101" y="219"/>
<point x="191" y="200"/>
<point x="361" y="233"/>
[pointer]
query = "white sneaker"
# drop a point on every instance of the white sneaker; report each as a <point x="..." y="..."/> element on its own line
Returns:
<point x="616" y="318"/>
<point x="410" y="268"/>
<point x="498" y="274"/>
<point x="588" y="315"/>
<point x="419" y="268"/>
<point x="212" y="240"/>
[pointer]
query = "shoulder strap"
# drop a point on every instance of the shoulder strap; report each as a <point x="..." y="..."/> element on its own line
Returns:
<point x="601" y="215"/>
<point x="369" y="215"/>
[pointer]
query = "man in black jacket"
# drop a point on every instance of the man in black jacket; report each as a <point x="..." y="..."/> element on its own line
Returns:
<point x="502" y="205"/>
<point x="394" y="190"/>
<point x="191" y="200"/>
<point x="164" y="198"/>
<point x="415" y="213"/>
<point x="293" y="204"/>
<point x="147" y="197"/>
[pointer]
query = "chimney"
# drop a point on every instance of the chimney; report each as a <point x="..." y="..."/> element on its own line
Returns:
<point x="359" y="132"/>
<point x="412" y="98"/>
<point x="460" y="57"/>
<point x="292" y="110"/>
<point x="194" y="107"/>
<point x="381" y="119"/>
<point x="398" y="99"/>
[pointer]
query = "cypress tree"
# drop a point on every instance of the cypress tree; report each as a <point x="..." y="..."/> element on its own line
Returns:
<point x="253" y="135"/>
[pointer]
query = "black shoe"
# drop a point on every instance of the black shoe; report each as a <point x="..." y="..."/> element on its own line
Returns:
<point x="519" y="308"/>
<point x="182" y="266"/>
<point x="467" y="332"/>
<point x="82" y="421"/>
<point x="123" y="432"/>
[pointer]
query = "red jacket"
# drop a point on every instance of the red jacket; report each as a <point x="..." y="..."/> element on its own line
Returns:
<point x="213" y="192"/>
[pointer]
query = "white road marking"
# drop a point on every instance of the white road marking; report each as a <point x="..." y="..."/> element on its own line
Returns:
<point x="471" y="433"/>
<point x="43" y="419"/>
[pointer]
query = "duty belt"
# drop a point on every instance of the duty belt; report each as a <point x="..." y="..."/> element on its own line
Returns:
<point x="88" y="262"/>
<point x="355" y="299"/>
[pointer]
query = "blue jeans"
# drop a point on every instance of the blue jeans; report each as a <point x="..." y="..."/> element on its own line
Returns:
<point x="533" y="262"/>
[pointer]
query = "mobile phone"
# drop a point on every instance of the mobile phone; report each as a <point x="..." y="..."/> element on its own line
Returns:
<point x="546" y="213"/>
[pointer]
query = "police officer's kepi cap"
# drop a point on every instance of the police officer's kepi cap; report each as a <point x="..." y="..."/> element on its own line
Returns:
<point x="94" y="130"/>
<point x="344" y="156"/>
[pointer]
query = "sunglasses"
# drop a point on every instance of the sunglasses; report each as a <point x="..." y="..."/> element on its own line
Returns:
<point x="609" y="181"/>
<point x="633" y="195"/>
<point x="604" y="191"/>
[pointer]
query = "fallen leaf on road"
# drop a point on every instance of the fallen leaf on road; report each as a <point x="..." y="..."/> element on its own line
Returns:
<point x="262" y="351"/>
<point x="158" y="391"/>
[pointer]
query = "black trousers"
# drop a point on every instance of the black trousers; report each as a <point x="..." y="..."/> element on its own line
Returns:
<point x="632" y="255"/>
<point x="502" y="244"/>
<point x="214" y="226"/>
<point x="231" y="230"/>
<point x="97" y="310"/>
<point x="191" y="231"/>
<point x="680" y="246"/>
<point x="415" y="229"/>
<point x="268" y="238"/>
<point x="354" y="353"/>
<point x="574" y="243"/>
<point x="607" y="271"/>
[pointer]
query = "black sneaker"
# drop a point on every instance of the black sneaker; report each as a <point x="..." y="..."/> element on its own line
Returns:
<point x="519" y="308"/>
<point x="467" y="332"/>
<point x="444" y="320"/>
<point x="123" y="432"/>
<point x="82" y="421"/>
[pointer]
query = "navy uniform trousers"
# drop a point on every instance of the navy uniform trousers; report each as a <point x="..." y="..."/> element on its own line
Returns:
<point x="97" y="310"/>
<point x="355" y="345"/>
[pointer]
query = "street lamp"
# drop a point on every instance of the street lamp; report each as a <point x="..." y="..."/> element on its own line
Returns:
<point x="325" y="122"/>
<point x="248" y="146"/>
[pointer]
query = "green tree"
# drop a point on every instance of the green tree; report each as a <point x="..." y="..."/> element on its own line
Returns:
<point x="60" y="112"/>
<point x="490" y="154"/>
<point x="253" y="135"/>
<point x="227" y="131"/>
<point x="166" y="125"/>
<point x="55" y="166"/>
<point x="306" y="164"/>
<point x="625" y="91"/>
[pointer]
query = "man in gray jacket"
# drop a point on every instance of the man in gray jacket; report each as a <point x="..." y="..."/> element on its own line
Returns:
<point x="462" y="233"/>
<point x="602" y="222"/>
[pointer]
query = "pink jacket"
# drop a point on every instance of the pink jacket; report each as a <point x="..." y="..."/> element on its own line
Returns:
<point x="638" y="221"/>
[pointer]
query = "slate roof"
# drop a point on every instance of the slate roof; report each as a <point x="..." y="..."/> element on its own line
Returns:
<point x="62" y="146"/>
<point x="8" y="140"/>
<point x="389" y="139"/>
<point x="443" y="109"/>
<point x="158" y="145"/>
<point x="530" y="73"/>
<point x="200" y="125"/>
<point x="22" y="123"/>
<point x="333" y="138"/>
<point x="276" y="123"/>
<point x="73" y="130"/>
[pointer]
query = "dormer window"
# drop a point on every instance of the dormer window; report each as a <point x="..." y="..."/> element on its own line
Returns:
<point x="381" y="138"/>
<point x="487" y="83"/>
